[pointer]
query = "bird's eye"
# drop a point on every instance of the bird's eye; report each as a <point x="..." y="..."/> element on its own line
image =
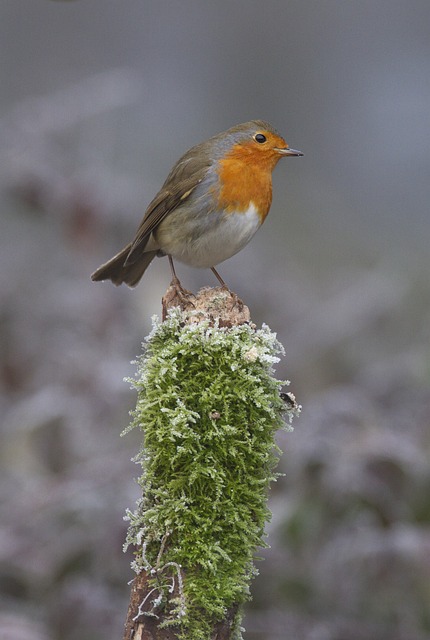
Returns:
<point x="259" y="137"/>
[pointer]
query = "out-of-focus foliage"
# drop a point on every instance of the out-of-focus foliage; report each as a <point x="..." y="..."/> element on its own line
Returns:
<point x="98" y="99"/>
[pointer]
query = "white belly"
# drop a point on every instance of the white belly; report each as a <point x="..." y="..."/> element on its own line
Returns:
<point x="222" y="237"/>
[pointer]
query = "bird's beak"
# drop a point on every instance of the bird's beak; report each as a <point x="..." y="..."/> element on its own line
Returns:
<point x="288" y="152"/>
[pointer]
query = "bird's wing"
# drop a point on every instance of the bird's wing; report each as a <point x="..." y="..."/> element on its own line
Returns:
<point x="185" y="176"/>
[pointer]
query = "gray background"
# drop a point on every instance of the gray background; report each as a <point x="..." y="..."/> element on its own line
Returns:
<point x="98" y="99"/>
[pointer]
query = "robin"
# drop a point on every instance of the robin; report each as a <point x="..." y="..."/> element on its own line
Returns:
<point x="213" y="201"/>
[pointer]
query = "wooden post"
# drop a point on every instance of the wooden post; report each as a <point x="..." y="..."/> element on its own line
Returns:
<point x="161" y="578"/>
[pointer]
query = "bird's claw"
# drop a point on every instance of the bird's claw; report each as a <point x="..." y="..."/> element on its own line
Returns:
<point x="177" y="296"/>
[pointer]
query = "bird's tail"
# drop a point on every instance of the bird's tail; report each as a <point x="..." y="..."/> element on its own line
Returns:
<point x="117" y="270"/>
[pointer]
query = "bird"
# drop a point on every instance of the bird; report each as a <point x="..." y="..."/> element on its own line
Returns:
<point x="212" y="202"/>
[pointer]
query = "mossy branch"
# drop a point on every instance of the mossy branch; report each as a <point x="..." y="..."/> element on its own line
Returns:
<point x="209" y="406"/>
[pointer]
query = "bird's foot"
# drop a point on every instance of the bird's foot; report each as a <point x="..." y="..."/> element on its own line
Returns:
<point x="236" y="301"/>
<point x="177" y="296"/>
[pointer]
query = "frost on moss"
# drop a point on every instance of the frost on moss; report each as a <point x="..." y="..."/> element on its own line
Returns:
<point x="209" y="406"/>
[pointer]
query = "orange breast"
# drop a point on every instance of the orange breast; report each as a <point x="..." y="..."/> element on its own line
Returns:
<point x="245" y="177"/>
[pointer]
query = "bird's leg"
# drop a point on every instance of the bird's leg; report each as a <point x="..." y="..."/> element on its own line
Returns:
<point x="176" y="295"/>
<point x="236" y="300"/>
<point x="175" y="280"/>
<point x="220" y="280"/>
<point x="177" y="290"/>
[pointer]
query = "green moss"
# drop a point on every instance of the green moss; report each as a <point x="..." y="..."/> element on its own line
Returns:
<point x="209" y="406"/>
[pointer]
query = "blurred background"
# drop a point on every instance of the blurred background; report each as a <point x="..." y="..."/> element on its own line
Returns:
<point x="98" y="99"/>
